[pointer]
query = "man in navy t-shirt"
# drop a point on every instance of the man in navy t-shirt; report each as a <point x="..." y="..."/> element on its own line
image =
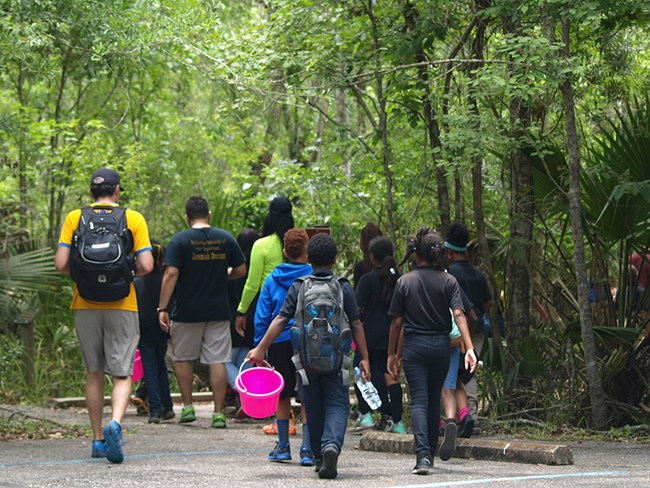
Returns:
<point x="199" y="262"/>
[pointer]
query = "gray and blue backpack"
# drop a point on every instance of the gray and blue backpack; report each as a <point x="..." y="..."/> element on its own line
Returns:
<point x="320" y="336"/>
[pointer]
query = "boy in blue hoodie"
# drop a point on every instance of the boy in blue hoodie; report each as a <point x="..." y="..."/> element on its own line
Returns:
<point x="327" y="394"/>
<point x="269" y="304"/>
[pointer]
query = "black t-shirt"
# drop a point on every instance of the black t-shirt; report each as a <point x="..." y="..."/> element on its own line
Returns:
<point x="288" y="309"/>
<point x="473" y="282"/>
<point x="359" y="271"/>
<point x="376" y="321"/>
<point x="202" y="257"/>
<point x="147" y="289"/>
<point x="423" y="297"/>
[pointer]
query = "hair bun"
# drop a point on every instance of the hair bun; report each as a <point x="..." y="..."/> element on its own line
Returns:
<point x="280" y="205"/>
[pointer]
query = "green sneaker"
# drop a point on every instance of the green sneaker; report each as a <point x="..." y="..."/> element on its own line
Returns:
<point x="218" y="420"/>
<point x="366" y="422"/>
<point x="396" y="428"/>
<point x="187" y="415"/>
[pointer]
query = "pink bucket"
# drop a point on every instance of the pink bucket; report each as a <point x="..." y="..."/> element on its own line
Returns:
<point x="138" y="370"/>
<point x="259" y="390"/>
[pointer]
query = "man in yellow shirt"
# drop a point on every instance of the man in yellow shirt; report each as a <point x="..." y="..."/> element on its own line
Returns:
<point x="108" y="331"/>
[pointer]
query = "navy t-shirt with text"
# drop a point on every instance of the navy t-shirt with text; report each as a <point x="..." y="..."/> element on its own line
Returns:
<point x="202" y="256"/>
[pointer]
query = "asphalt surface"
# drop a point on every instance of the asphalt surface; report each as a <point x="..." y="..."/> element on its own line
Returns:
<point x="194" y="455"/>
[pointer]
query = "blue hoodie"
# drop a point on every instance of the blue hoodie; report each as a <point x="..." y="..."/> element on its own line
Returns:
<point x="272" y="297"/>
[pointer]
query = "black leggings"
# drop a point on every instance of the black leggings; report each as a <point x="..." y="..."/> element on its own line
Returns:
<point x="425" y="362"/>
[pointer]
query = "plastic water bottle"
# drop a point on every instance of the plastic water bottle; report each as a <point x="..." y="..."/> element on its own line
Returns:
<point x="368" y="390"/>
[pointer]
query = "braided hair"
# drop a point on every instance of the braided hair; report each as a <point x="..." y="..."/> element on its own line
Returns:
<point x="428" y="245"/>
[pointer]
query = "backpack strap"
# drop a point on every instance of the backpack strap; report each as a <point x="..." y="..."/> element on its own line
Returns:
<point x="295" y="359"/>
<point x="300" y="369"/>
<point x="345" y="365"/>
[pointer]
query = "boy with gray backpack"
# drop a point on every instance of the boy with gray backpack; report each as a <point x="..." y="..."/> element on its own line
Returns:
<point x="326" y="318"/>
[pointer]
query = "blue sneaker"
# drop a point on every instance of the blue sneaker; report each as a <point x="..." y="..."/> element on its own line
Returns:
<point x="99" y="449"/>
<point x="114" y="442"/>
<point x="306" y="457"/>
<point x="279" y="454"/>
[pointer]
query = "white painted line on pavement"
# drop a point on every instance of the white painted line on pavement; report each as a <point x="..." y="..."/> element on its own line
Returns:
<point x="513" y="478"/>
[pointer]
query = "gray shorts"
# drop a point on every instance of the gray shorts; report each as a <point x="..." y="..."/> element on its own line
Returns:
<point x="209" y="341"/>
<point x="108" y="339"/>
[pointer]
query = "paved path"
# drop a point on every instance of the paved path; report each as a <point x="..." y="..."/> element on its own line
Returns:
<point x="172" y="455"/>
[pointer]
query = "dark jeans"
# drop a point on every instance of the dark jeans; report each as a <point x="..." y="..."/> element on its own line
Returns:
<point x="327" y="402"/>
<point x="425" y="361"/>
<point x="156" y="376"/>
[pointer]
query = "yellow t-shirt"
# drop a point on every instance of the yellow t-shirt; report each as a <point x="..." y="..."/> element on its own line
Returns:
<point x="134" y="221"/>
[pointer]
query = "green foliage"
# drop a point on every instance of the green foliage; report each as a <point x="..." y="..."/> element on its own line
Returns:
<point x="59" y="371"/>
<point x="241" y="101"/>
<point x="22" y="276"/>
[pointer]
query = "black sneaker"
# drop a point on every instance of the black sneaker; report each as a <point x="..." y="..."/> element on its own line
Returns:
<point x="448" y="445"/>
<point x="330" y="459"/>
<point x="318" y="465"/>
<point x="154" y="419"/>
<point x="466" y="427"/>
<point x="423" y="466"/>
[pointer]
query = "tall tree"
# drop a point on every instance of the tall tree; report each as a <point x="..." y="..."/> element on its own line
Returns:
<point x="596" y="393"/>
<point x="521" y="206"/>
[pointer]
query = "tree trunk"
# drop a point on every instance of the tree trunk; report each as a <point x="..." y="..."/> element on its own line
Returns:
<point x="411" y="16"/>
<point x="598" y="407"/>
<point x="343" y="119"/>
<point x="484" y="258"/>
<point x="521" y="212"/>
<point x="383" y="123"/>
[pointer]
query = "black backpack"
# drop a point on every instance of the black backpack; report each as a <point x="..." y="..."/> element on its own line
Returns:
<point x="101" y="263"/>
<point x="321" y="335"/>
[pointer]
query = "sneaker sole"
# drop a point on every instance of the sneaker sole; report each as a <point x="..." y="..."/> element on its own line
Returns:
<point x="330" y="460"/>
<point x="307" y="462"/>
<point x="466" y="433"/>
<point x="280" y="460"/>
<point x="114" y="451"/>
<point x="420" y="471"/>
<point x="448" y="445"/>
<point x="362" y="428"/>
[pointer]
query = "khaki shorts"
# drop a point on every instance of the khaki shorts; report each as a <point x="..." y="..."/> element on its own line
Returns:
<point x="108" y="340"/>
<point x="209" y="341"/>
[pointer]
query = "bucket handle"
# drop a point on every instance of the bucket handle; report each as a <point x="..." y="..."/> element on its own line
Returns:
<point x="241" y="385"/>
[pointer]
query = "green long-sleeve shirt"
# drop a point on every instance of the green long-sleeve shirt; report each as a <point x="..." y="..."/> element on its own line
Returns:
<point x="266" y="254"/>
